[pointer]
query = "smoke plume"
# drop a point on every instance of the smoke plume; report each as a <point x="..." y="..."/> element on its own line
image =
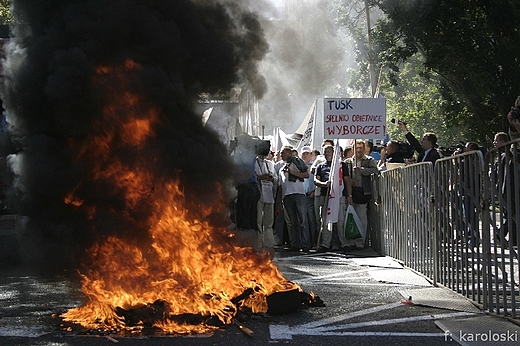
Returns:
<point x="63" y="70"/>
<point x="308" y="59"/>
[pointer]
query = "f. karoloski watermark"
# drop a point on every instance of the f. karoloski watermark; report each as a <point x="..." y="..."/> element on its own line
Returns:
<point x="487" y="336"/>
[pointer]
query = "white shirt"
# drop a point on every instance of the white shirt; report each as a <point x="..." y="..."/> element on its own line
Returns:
<point x="290" y="187"/>
<point x="266" y="187"/>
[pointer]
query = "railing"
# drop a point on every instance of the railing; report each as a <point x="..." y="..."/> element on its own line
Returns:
<point x="405" y="213"/>
<point x="501" y="190"/>
<point x="455" y="224"/>
<point x="458" y="186"/>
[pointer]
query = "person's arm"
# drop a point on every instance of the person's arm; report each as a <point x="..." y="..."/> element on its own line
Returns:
<point x="318" y="182"/>
<point x="410" y="138"/>
<point x="265" y="177"/>
<point x="317" y="179"/>
<point x="298" y="174"/>
<point x="259" y="174"/>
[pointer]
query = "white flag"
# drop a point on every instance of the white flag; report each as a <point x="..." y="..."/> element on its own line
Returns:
<point x="282" y="136"/>
<point x="336" y="186"/>
<point x="308" y="133"/>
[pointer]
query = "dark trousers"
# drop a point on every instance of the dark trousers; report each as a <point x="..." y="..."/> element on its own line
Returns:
<point x="311" y="220"/>
<point x="296" y="207"/>
<point x="246" y="212"/>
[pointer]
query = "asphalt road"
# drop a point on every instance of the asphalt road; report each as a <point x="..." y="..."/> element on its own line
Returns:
<point x="360" y="310"/>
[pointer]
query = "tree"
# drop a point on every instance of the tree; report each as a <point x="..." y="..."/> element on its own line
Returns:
<point x="473" y="45"/>
<point x="412" y="93"/>
<point x="5" y="13"/>
<point x="415" y="97"/>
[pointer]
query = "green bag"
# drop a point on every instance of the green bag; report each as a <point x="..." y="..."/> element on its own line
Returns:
<point x="352" y="224"/>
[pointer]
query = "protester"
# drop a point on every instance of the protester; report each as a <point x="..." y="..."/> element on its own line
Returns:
<point x="321" y="158"/>
<point x="505" y="166"/>
<point x="248" y="192"/>
<point x="348" y="152"/>
<point x="426" y="148"/>
<point x="390" y="154"/>
<point x="317" y="199"/>
<point x="513" y="118"/>
<point x="500" y="139"/>
<point x="307" y="154"/>
<point x="281" y="220"/>
<point x="469" y="207"/>
<point x="291" y="176"/>
<point x="267" y="180"/>
<point x="322" y="181"/>
<point x="360" y="167"/>
<point x="369" y="150"/>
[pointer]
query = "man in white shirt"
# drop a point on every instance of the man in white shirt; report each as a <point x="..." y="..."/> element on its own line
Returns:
<point x="291" y="177"/>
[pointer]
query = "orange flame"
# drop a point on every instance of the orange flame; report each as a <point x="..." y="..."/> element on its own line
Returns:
<point x="188" y="264"/>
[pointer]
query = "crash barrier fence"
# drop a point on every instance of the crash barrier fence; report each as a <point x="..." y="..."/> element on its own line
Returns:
<point x="456" y="223"/>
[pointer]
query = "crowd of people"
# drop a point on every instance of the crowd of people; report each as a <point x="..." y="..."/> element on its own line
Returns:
<point x="283" y="196"/>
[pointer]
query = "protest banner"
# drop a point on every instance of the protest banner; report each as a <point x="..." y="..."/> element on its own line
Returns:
<point x="354" y="118"/>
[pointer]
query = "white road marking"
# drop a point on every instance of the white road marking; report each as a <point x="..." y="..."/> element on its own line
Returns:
<point x="350" y="315"/>
<point x="282" y="336"/>
<point x="325" y="327"/>
<point x="394" y="321"/>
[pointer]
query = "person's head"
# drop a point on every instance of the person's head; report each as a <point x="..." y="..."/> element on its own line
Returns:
<point x="294" y="152"/>
<point x="393" y="147"/>
<point x="286" y="152"/>
<point x="470" y="146"/>
<point x="306" y="153"/>
<point x="315" y="153"/>
<point x="327" y="142"/>
<point x="500" y="139"/>
<point x="359" y="149"/>
<point x="348" y="152"/>
<point x="328" y="152"/>
<point x="278" y="156"/>
<point x="369" y="147"/>
<point x="429" y="140"/>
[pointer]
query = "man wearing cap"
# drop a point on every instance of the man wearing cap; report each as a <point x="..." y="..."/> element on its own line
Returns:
<point x="307" y="154"/>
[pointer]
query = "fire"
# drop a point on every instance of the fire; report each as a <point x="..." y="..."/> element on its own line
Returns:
<point x="188" y="268"/>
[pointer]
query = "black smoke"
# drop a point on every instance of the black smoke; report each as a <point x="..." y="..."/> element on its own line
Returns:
<point x="182" y="48"/>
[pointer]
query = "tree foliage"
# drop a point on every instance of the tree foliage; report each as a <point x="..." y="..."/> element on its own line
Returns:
<point x="473" y="45"/>
<point x="415" y="97"/>
<point x="5" y="13"/>
<point x="462" y="53"/>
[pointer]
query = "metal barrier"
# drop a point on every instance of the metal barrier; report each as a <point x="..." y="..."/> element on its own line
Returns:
<point x="405" y="215"/>
<point x="456" y="224"/>
<point x="458" y="198"/>
<point x="501" y="231"/>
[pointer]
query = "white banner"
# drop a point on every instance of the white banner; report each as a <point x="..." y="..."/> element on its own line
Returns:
<point x="336" y="186"/>
<point x="308" y="134"/>
<point x="355" y="118"/>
